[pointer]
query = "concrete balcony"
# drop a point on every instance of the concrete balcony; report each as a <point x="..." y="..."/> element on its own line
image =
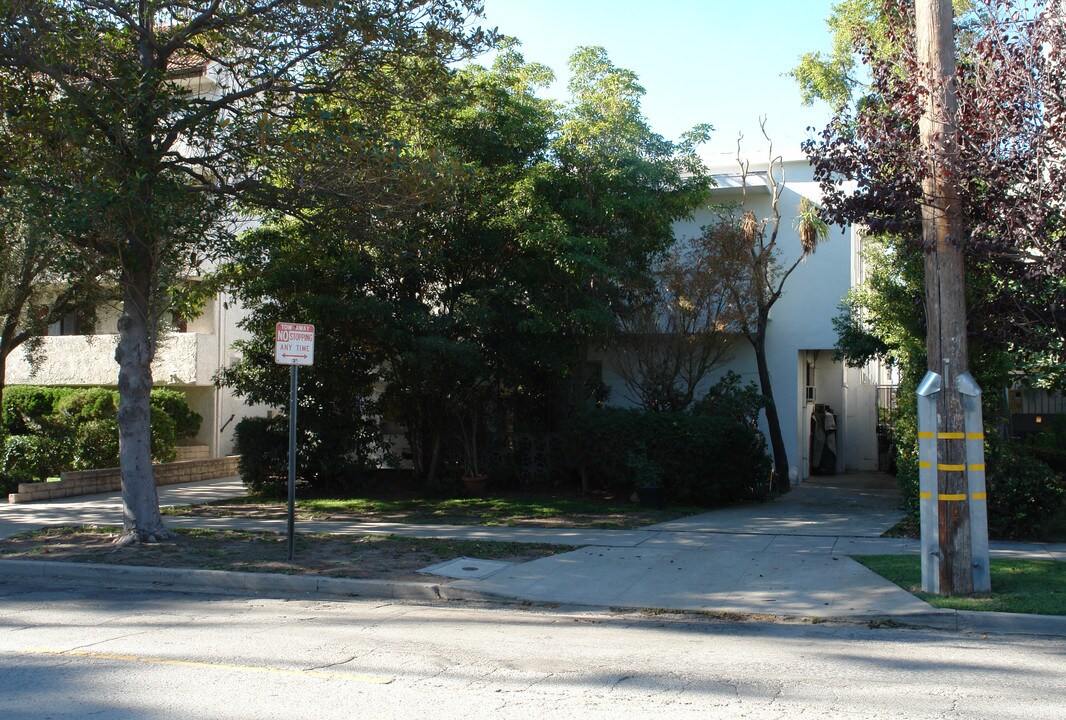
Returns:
<point x="181" y="359"/>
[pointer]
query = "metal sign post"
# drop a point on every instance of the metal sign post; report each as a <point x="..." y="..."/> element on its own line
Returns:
<point x="975" y="481"/>
<point x="294" y="345"/>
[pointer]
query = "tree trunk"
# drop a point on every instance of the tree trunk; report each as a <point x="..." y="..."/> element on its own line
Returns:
<point x="780" y="481"/>
<point x="3" y="382"/>
<point x="942" y="233"/>
<point x="142" y="521"/>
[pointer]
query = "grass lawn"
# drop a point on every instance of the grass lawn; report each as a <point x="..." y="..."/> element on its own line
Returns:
<point x="503" y="509"/>
<point x="1018" y="586"/>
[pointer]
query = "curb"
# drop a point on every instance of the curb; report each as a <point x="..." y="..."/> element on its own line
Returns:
<point x="997" y="623"/>
<point x="271" y="583"/>
<point x="226" y="580"/>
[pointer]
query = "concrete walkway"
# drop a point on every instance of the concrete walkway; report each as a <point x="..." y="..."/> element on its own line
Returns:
<point x="788" y="557"/>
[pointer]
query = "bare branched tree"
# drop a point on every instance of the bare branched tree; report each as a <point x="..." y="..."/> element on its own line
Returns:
<point x="679" y="331"/>
<point x="747" y="255"/>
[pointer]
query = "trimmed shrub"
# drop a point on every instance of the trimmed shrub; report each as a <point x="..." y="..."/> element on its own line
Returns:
<point x="263" y="445"/>
<point x="31" y="458"/>
<point x="163" y="438"/>
<point x="77" y="428"/>
<point x="1024" y="494"/>
<point x="703" y="459"/>
<point x="321" y="466"/>
<point x="94" y="444"/>
<point x="174" y="403"/>
<point x="27" y="407"/>
<point x="728" y="398"/>
<point x="87" y="405"/>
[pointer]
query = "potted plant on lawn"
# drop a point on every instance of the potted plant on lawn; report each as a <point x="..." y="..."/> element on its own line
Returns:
<point x="647" y="477"/>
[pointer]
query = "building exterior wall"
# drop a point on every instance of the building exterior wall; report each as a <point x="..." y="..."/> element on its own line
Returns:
<point x="185" y="361"/>
<point x="800" y="330"/>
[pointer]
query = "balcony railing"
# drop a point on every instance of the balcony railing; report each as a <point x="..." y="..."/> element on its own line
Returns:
<point x="181" y="359"/>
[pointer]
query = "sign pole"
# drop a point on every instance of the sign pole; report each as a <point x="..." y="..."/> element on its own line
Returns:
<point x="294" y="345"/>
<point x="294" y="375"/>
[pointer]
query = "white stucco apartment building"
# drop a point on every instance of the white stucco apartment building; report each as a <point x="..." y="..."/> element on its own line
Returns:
<point x="186" y="360"/>
<point x="800" y="338"/>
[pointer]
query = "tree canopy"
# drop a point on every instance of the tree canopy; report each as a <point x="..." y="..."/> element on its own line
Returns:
<point x="173" y="110"/>
<point x="1012" y="111"/>
<point x="483" y="298"/>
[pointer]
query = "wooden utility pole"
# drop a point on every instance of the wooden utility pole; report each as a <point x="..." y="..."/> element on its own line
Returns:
<point x="945" y="302"/>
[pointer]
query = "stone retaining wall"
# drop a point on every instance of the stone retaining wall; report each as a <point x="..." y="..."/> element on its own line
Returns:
<point x="90" y="482"/>
<point x="191" y="452"/>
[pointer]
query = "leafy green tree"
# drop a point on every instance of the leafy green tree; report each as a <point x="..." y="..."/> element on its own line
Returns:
<point x="839" y="77"/>
<point x="42" y="278"/>
<point x="486" y="293"/>
<point x="41" y="281"/>
<point x="180" y="107"/>
<point x="1009" y="167"/>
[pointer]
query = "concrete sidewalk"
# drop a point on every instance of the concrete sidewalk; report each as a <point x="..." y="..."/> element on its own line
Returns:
<point x="789" y="557"/>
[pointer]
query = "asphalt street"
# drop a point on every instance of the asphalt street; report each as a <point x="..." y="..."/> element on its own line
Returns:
<point x="77" y="651"/>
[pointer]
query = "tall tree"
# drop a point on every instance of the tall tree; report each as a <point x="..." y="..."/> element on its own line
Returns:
<point x="839" y="78"/>
<point x="499" y="279"/>
<point x="620" y="187"/>
<point x="41" y="281"/>
<point x="42" y="278"/>
<point x="180" y="107"/>
<point x="748" y="256"/>
<point x="1008" y="165"/>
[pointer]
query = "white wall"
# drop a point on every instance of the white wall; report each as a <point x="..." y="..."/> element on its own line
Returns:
<point x="801" y="320"/>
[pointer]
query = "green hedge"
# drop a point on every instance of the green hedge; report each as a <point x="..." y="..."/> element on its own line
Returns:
<point x="701" y="459"/>
<point x="263" y="446"/>
<point x="1024" y="493"/>
<point x="47" y="430"/>
<point x="27" y="407"/>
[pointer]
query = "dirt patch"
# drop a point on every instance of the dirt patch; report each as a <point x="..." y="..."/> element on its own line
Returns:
<point x="346" y="556"/>
<point x="491" y="512"/>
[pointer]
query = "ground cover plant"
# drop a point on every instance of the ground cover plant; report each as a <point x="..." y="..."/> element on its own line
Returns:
<point x="1018" y="586"/>
<point x="345" y="556"/>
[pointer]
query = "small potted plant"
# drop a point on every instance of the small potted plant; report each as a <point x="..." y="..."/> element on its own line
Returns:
<point x="647" y="477"/>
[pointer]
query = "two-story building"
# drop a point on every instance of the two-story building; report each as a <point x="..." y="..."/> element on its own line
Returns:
<point x="800" y="337"/>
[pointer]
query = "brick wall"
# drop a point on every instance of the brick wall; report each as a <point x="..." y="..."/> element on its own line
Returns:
<point x="89" y="482"/>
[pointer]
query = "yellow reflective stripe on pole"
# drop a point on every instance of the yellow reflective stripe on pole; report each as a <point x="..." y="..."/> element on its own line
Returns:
<point x="953" y="497"/>
<point x="950" y="468"/>
<point x="951" y="436"/>
<point x="980" y="496"/>
<point x="925" y="496"/>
